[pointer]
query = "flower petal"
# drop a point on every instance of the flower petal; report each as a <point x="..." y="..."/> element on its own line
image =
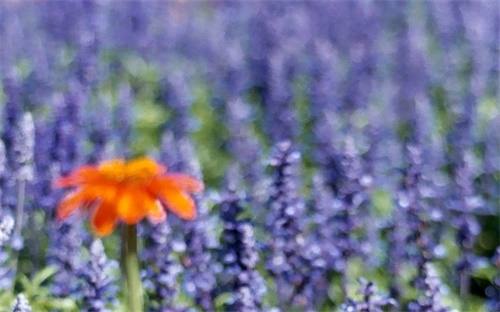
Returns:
<point x="83" y="175"/>
<point x="71" y="202"/>
<point x="182" y="181"/>
<point x="132" y="205"/>
<point x="156" y="213"/>
<point x="104" y="218"/>
<point x="81" y="196"/>
<point x="143" y="167"/>
<point x="179" y="203"/>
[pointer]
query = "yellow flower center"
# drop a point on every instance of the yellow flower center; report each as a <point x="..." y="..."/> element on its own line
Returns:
<point x="137" y="171"/>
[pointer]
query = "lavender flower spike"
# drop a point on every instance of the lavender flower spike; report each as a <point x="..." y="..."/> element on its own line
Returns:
<point x="430" y="300"/>
<point x="24" y="149"/>
<point x="3" y="169"/>
<point x="285" y="262"/>
<point x="21" y="304"/>
<point x="240" y="257"/>
<point x="6" y="227"/>
<point x="64" y="254"/>
<point x="372" y="301"/>
<point x="162" y="269"/>
<point x="98" y="289"/>
<point x="24" y="146"/>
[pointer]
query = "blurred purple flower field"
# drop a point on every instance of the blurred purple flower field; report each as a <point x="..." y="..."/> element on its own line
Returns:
<point x="349" y="151"/>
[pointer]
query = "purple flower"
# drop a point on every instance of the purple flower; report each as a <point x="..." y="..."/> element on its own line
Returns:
<point x="244" y="147"/>
<point x="98" y="289"/>
<point x="59" y="22"/>
<point x="239" y="258"/>
<point x="324" y="85"/>
<point x="3" y="170"/>
<point x="65" y="238"/>
<point x="279" y="115"/>
<point x="23" y="145"/>
<point x="285" y="259"/>
<point x="21" y="304"/>
<point x="321" y="249"/>
<point x="234" y="80"/>
<point x="66" y="148"/>
<point x="123" y="117"/>
<point x="64" y="252"/>
<point x="431" y="290"/>
<point x="175" y="94"/>
<point x="371" y="300"/>
<point x="12" y="116"/>
<point x="169" y="153"/>
<point x="161" y="274"/>
<point x="6" y="274"/>
<point x="88" y="43"/>
<point x="43" y="193"/>
<point x="6" y="227"/>
<point x="99" y="130"/>
<point x="199" y="274"/>
<point x="347" y="214"/>
<point x="360" y="78"/>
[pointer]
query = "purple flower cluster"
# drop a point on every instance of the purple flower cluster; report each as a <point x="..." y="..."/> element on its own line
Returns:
<point x="161" y="275"/>
<point x="379" y="119"/>
<point x="65" y="254"/>
<point x="21" y="304"/>
<point x="239" y="257"/>
<point x="371" y="300"/>
<point x="12" y="116"/>
<point x="430" y="285"/>
<point x="6" y="227"/>
<point x="98" y="289"/>
<point x="286" y="260"/>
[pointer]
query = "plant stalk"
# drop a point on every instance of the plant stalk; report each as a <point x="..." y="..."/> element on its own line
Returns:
<point x="132" y="271"/>
<point x="18" y="225"/>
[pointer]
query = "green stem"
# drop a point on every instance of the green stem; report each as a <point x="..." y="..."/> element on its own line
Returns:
<point x="132" y="273"/>
<point x="18" y="225"/>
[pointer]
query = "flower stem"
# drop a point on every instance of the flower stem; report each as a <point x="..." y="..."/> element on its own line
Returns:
<point x="18" y="226"/>
<point x="131" y="263"/>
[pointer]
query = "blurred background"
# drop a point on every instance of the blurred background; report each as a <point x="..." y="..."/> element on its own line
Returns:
<point x="364" y="130"/>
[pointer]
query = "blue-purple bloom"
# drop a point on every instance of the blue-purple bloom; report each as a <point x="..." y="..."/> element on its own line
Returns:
<point x="239" y="257"/>
<point x="430" y="298"/>
<point x="123" y="119"/>
<point x="161" y="275"/>
<point x="21" y="304"/>
<point x="285" y="224"/>
<point x="65" y="254"/>
<point x="98" y="288"/>
<point x="199" y="275"/>
<point x="392" y="105"/>
<point x="12" y="116"/>
<point x="3" y="170"/>
<point x="6" y="275"/>
<point x="371" y="299"/>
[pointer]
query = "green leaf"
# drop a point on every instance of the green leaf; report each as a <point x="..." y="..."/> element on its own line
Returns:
<point x="382" y="203"/>
<point x="222" y="300"/>
<point x="43" y="276"/>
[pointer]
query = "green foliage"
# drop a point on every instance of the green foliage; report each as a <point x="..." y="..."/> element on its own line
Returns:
<point x="38" y="293"/>
<point x="383" y="204"/>
<point x="222" y="300"/>
<point x="213" y="158"/>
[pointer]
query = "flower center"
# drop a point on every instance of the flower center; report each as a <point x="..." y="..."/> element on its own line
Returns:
<point x="137" y="171"/>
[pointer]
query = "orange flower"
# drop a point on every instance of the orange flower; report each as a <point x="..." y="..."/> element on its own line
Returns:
<point x="116" y="190"/>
